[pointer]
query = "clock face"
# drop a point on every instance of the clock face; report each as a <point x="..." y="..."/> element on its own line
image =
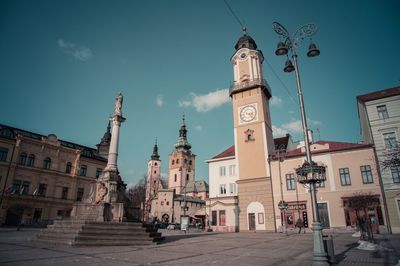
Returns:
<point x="243" y="56"/>
<point x="248" y="113"/>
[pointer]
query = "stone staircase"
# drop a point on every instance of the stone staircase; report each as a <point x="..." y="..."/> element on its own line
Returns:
<point x="88" y="233"/>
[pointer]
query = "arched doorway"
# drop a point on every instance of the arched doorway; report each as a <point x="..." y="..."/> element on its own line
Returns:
<point x="255" y="216"/>
<point x="15" y="214"/>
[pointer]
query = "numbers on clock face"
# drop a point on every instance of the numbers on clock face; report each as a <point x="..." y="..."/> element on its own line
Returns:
<point x="248" y="113"/>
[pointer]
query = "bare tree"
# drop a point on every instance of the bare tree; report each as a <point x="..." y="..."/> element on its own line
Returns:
<point x="392" y="157"/>
<point x="361" y="202"/>
<point x="137" y="193"/>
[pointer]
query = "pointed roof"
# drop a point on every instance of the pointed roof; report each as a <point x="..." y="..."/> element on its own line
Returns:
<point x="155" y="155"/>
<point x="106" y="139"/>
<point x="182" y="143"/>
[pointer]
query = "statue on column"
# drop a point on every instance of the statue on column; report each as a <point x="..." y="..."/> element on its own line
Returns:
<point x="118" y="104"/>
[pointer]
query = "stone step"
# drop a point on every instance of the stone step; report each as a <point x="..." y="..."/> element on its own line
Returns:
<point x="51" y="235"/>
<point x="91" y="231"/>
<point x="112" y="238"/>
<point x="47" y="241"/>
<point x="114" y="243"/>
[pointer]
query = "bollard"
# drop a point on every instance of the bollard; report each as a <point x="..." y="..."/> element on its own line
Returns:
<point x="329" y="248"/>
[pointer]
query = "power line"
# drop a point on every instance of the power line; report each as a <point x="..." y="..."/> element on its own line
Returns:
<point x="234" y="15"/>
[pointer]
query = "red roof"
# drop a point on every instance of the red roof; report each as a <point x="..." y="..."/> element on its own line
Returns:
<point x="226" y="153"/>
<point x="333" y="146"/>
<point x="379" y="94"/>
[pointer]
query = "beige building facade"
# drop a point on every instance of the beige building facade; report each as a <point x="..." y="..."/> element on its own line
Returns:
<point x="379" y="114"/>
<point x="351" y="170"/>
<point x="42" y="176"/>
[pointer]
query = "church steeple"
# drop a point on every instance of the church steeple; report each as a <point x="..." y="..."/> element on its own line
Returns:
<point x="155" y="155"/>
<point x="182" y="142"/>
<point x="104" y="145"/>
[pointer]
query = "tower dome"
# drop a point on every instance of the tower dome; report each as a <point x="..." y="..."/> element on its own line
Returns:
<point x="246" y="42"/>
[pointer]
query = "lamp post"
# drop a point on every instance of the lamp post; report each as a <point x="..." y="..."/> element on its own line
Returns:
<point x="309" y="173"/>
<point x="282" y="204"/>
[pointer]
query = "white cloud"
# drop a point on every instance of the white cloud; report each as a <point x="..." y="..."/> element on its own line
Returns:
<point x="294" y="127"/>
<point x="206" y="102"/>
<point x="276" y="101"/>
<point x="314" y="122"/>
<point x="159" y="100"/>
<point x="80" y="53"/>
<point x="198" y="128"/>
<point x="278" y="132"/>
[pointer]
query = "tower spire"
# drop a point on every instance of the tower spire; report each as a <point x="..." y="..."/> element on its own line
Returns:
<point x="155" y="155"/>
<point x="182" y="143"/>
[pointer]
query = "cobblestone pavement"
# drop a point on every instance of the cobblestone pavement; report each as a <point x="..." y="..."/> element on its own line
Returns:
<point x="197" y="248"/>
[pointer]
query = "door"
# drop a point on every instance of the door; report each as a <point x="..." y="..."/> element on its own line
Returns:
<point x="252" y="221"/>
<point x="323" y="214"/>
<point x="289" y="219"/>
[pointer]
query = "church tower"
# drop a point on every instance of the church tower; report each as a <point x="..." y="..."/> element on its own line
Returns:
<point x="153" y="183"/>
<point x="254" y="143"/>
<point x="104" y="145"/>
<point x="181" y="162"/>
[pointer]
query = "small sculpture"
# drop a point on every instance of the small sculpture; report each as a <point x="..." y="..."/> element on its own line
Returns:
<point x="118" y="104"/>
<point x="101" y="192"/>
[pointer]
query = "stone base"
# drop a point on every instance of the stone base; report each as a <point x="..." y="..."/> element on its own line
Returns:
<point x="103" y="212"/>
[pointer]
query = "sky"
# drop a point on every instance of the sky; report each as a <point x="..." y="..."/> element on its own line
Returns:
<point x="62" y="63"/>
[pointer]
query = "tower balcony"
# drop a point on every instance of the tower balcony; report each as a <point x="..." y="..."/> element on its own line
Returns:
<point x="239" y="86"/>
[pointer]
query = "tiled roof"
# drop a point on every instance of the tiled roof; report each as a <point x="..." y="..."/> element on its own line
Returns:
<point x="333" y="146"/>
<point x="226" y="153"/>
<point x="283" y="141"/>
<point x="379" y="94"/>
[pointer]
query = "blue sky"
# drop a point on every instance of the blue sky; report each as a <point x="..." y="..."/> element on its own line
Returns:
<point x="63" y="62"/>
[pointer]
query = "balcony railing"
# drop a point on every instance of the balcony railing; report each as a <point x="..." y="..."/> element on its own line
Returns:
<point x="238" y="86"/>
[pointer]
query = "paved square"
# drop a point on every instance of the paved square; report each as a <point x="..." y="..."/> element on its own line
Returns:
<point x="197" y="249"/>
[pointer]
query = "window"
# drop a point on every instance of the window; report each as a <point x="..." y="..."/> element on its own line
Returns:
<point x="98" y="172"/>
<point x="395" y="174"/>
<point x="82" y="170"/>
<point x="173" y="162"/>
<point x="222" y="189"/>
<point x="222" y="171"/>
<point x="214" y="218"/>
<point x="3" y="154"/>
<point x="31" y="160"/>
<point x="42" y="189"/>
<point x="222" y="218"/>
<point x="64" y="194"/>
<point x="25" y="187"/>
<point x="185" y="161"/>
<point x="382" y="112"/>
<point x="232" y="170"/>
<point x="79" y="194"/>
<point x="344" y="176"/>
<point x="366" y="174"/>
<point x="68" y="168"/>
<point x="16" y="187"/>
<point x="190" y="162"/>
<point x="187" y="177"/>
<point x="46" y="163"/>
<point x="290" y="183"/>
<point x="232" y="188"/>
<point x="390" y="140"/>
<point x="175" y="177"/>
<point x="22" y="158"/>
<point x="155" y="163"/>
<point x="177" y="161"/>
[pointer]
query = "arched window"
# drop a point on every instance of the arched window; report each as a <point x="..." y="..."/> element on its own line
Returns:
<point x="22" y="158"/>
<point x="46" y="163"/>
<point x="155" y="163"/>
<point x="187" y="177"/>
<point x="177" y="160"/>
<point x="190" y="162"/>
<point x="68" y="168"/>
<point x="185" y="161"/>
<point x="31" y="160"/>
<point x="173" y="162"/>
<point x="175" y="178"/>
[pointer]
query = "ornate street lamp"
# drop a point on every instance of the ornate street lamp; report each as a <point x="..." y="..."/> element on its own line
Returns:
<point x="309" y="173"/>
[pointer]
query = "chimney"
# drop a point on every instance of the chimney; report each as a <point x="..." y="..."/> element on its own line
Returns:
<point x="310" y="136"/>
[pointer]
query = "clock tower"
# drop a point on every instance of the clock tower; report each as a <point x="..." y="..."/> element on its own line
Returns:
<point x="254" y="143"/>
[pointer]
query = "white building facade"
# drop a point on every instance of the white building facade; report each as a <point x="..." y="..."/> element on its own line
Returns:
<point x="379" y="114"/>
